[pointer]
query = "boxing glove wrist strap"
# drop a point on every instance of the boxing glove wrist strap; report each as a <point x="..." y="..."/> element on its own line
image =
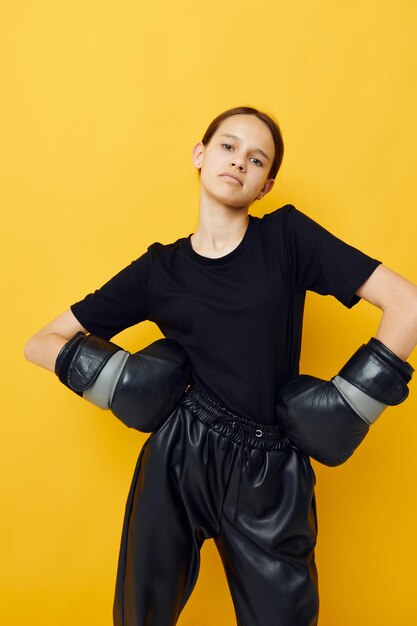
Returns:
<point x="372" y="379"/>
<point x="402" y="367"/>
<point x="65" y="356"/>
<point x="82" y="359"/>
<point x="375" y="376"/>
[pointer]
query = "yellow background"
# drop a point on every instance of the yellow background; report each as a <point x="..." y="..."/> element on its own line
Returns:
<point x="101" y="104"/>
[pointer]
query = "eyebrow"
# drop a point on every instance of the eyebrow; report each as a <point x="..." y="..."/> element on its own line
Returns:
<point x="256" y="149"/>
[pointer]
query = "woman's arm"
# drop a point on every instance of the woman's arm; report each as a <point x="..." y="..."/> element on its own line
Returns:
<point x="43" y="347"/>
<point x="397" y="297"/>
<point x="321" y="417"/>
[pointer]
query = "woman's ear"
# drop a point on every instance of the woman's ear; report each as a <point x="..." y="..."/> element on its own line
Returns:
<point x="198" y="154"/>
<point x="266" y="188"/>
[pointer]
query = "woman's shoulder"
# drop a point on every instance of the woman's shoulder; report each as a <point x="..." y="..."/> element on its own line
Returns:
<point x="162" y="249"/>
<point x="283" y="212"/>
<point x="291" y="218"/>
<point x="279" y="218"/>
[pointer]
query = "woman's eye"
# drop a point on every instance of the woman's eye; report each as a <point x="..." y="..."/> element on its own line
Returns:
<point x="229" y="147"/>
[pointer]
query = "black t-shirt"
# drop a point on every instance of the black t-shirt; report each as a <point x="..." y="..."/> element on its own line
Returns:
<point x="239" y="317"/>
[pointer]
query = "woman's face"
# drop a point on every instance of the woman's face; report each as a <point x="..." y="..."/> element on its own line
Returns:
<point x="236" y="161"/>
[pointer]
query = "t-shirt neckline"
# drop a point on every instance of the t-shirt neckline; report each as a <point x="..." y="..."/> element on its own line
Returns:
<point x="205" y="260"/>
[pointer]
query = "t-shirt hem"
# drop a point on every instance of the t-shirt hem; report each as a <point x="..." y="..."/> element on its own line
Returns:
<point x="351" y="298"/>
<point x="93" y="330"/>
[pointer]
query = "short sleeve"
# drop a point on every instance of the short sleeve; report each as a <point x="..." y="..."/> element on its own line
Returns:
<point x="118" y="304"/>
<point x="323" y="263"/>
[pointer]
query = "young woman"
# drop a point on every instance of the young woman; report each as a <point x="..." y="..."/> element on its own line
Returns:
<point x="232" y="294"/>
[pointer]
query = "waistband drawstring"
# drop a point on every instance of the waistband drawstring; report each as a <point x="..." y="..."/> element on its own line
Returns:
<point x="243" y="431"/>
<point x="244" y="452"/>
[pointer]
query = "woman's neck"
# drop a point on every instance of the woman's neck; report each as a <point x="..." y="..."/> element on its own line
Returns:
<point x="218" y="233"/>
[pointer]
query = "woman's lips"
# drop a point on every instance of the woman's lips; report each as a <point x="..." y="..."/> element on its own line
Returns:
<point x="231" y="177"/>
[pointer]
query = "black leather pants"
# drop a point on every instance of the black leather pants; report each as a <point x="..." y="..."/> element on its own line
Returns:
<point x="208" y="473"/>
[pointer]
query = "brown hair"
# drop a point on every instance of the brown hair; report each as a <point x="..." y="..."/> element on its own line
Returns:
<point x="264" y="117"/>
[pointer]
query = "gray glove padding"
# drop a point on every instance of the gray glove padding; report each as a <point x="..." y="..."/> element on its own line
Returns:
<point x="328" y="419"/>
<point x="141" y="389"/>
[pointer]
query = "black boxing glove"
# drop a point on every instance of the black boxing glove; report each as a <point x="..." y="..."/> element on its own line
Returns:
<point x="141" y="389"/>
<point x="328" y="419"/>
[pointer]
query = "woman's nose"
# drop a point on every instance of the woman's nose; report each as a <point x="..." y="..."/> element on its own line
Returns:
<point x="237" y="162"/>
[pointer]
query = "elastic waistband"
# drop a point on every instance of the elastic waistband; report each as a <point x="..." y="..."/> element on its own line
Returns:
<point x="221" y="419"/>
<point x="247" y="433"/>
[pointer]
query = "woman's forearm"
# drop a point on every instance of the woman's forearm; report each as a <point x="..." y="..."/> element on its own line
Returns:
<point x="44" y="346"/>
<point x="43" y="349"/>
<point x="396" y="296"/>
<point x="398" y="330"/>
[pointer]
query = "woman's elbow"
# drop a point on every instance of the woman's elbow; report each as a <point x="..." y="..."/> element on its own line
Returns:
<point x="404" y="304"/>
<point x="42" y="348"/>
<point x="26" y="349"/>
